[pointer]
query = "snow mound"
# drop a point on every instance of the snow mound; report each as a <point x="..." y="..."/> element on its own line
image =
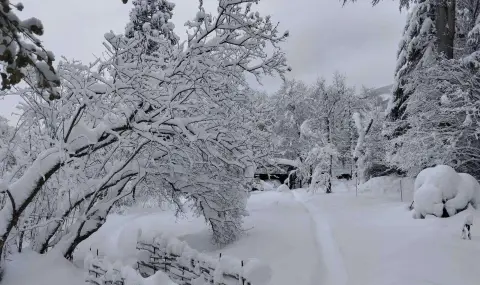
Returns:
<point x="283" y="188"/>
<point x="441" y="191"/>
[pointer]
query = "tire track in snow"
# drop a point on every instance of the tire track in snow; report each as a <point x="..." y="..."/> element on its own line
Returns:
<point x="329" y="252"/>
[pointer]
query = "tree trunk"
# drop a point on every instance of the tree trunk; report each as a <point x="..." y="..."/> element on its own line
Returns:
<point x="445" y="25"/>
<point x="330" y="173"/>
<point x="329" y="137"/>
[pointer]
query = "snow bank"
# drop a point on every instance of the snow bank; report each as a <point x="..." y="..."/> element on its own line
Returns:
<point x="30" y="268"/>
<point x="441" y="189"/>
<point x="113" y="241"/>
<point x="391" y="186"/>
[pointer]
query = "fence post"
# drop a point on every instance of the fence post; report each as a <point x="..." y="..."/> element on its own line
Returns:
<point x="356" y="182"/>
<point x="165" y="258"/>
<point x="241" y="277"/>
<point x="401" y="190"/>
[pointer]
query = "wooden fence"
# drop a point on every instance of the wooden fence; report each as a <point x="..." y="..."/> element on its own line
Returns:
<point x="182" y="264"/>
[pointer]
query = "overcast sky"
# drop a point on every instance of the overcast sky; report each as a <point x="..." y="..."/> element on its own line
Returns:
<point x="357" y="40"/>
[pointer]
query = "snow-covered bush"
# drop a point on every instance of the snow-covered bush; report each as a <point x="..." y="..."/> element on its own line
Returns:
<point x="441" y="191"/>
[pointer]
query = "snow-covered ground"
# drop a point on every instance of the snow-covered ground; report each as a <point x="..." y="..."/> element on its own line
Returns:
<point x="380" y="243"/>
<point x="319" y="239"/>
<point x="279" y="233"/>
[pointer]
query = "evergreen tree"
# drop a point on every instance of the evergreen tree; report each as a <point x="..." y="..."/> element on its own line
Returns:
<point x="21" y="50"/>
<point x="416" y="49"/>
<point x="150" y="19"/>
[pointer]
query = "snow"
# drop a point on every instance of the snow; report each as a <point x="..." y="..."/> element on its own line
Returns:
<point x="393" y="187"/>
<point x="379" y="243"/>
<point x="283" y="188"/>
<point x="326" y="245"/>
<point x="116" y="240"/>
<point x="279" y="243"/>
<point x="158" y="278"/>
<point x="30" y="268"/>
<point x="296" y="237"/>
<point x="468" y="219"/>
<point x="257" y="271"/>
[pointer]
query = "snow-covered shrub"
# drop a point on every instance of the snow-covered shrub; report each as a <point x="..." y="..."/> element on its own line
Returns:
<point x="441" y="191"/>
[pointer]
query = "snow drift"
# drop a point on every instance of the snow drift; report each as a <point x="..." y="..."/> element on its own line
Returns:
<point x="30" y="268"/>
<point x="442" y="192"/>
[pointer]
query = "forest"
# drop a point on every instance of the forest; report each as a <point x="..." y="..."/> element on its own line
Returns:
<point x="160" y="121"/>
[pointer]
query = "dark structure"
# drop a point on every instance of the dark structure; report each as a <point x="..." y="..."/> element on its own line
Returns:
<point x="346" y="176"/>
<point x="285" y="174"/>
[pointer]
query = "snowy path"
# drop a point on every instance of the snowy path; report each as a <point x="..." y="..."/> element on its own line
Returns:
<point x="335" y="272"/>
<point x="382" y="245"/>
<point x="282" y="235"/>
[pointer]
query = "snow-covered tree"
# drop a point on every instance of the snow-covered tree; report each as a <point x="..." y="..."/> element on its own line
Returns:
<point x="21" y="49"/>
<point x="313" y="130"/>
<point x="150" y="19"/>
<point x="291" y="108"/>
<point x="132" y="120"/>
<point x="443" y="118"/>
<point x="435" y="133"/>
<point x="416" y="49"/>
<point x="332" y="122"/>
<point x="466" y="18"/>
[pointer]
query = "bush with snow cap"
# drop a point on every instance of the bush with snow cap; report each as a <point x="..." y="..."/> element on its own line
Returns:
<point x="441" y="191"/>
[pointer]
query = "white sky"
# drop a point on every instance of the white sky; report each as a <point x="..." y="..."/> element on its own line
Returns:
<point x="358" y="40"/>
